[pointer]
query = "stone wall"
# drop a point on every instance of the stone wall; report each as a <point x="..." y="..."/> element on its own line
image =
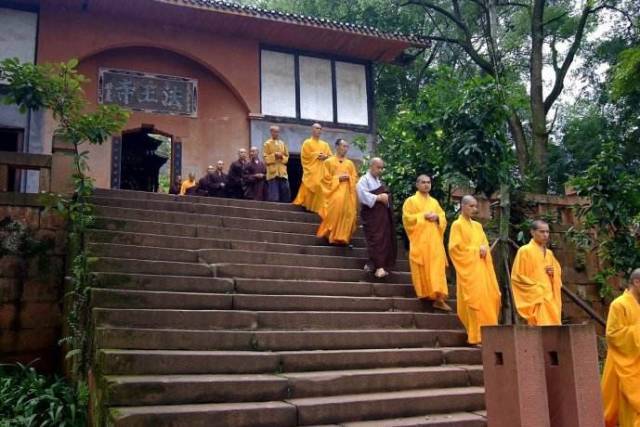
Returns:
<point x="31" y="286"/>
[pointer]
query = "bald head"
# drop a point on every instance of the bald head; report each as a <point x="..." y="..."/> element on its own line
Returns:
<point x="540" y="232"/>
<point x="467" y="200"/>
<point x="275" y="132"/>
<point x="468" y="206"/>
<point x="376" y="166"/>
<point x="635" y="275"/>
<point x="316" y="130"/>
<point x="423" y="184"/>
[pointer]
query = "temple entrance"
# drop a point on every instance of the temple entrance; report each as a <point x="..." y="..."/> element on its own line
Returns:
<point x="145" y="164"/>
<point x="294" y="170"/>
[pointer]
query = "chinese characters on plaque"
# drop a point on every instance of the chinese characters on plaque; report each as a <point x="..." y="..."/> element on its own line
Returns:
<point x="151" y="93"/>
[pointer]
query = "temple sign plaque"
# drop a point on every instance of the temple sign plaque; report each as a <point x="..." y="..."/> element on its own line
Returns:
<point x="148" y="92"/>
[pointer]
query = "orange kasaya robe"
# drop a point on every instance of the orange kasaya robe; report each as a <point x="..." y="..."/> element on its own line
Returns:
<point x="478" y="294"/>
<point x="427" y="257"/>
<point x="186" y="184"/>
<point x="340" y="210"/>
<point x="310" y="193"/>
<point x="621" y="377"/>
<point x="537" y="296"/>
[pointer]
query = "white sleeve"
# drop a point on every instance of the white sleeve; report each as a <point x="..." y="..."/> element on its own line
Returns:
<point x="365" y="197"/>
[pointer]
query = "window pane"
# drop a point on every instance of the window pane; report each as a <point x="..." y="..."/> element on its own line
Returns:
<point x="351" y="87"/>
<point x="316" y="94"/>
<point x="278" y="84"/>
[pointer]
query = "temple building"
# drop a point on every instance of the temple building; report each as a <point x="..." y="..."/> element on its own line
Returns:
<point x="202" y="78"/>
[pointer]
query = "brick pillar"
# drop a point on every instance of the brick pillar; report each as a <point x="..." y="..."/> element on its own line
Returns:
<point x="573" y="384"/>
<point x="514" y="377"/>
<point x="61" y="166"/>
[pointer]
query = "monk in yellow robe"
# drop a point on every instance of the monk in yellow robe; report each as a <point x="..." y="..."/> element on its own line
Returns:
<point x="536" y="280"/>
<point x="340" y="210"/>
<point x="425" y="222"/>
<point x="188" y="184"/>
<point x="621" y="376"/>
<point x="478" y="294"/>
<point x="313" y="154"/>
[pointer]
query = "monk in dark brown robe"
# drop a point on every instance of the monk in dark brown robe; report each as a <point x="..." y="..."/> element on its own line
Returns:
<point x="235" y="184"/>
<point x="254" y="177"/>
<point x="376" y="212"/>
<point x="214" y="183"/>
<point x="174" y="188"/>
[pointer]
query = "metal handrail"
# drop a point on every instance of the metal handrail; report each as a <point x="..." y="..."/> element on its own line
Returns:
<point x="575" y="298"/>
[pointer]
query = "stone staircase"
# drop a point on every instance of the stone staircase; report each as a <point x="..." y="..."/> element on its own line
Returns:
<point x="218" y="312"/>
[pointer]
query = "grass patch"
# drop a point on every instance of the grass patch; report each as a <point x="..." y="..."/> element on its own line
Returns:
<point x="31" y="399"/>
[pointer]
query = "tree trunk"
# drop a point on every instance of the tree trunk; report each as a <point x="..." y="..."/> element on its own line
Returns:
<point x="520" y="140"/>
<point x="502" y="261"/>
<point x="538" y="172"/>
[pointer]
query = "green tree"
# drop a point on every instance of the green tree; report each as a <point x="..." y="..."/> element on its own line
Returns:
<point x="454" y="131"/>
<point x="58" y="89"/>
<point x="611" y="223"/>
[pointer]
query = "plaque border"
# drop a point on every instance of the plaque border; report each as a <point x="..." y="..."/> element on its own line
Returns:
<point x="194" y="82"/>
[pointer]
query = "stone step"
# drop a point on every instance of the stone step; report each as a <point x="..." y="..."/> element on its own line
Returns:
<point x="179" y="218"/>
<point x="309" y="411"/>
<point x="216" y="256"/>
<point x="211" y="232"/>
<point x="177" y="242"/>
<point x="218" y="201"/>
<point x="166" y="362"/>
<point x="166" y="282"/>
<point x="123" y="265"/>
<point x="455" y="419"/>
<point x="322" y="288"/>
<point x="180" y="389"/>
<point x="128" y="298"/>
<point x="269" y="320"/>
<point x="374" y="406"/>
<point x="152" y="282"/>
<point x="288" y="272"/>
<point x="330" y="383"/>
<point x="253" y="414"/>
<point x="194" y="207"/>
<point x="181" y="339"/>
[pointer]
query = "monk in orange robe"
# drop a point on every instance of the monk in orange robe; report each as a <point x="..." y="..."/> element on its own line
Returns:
<point x="425" y="222"/>
<point x="313" y="154"/>
<point x="188" y="184"/>
<point x="621" y="377"/>
<point x="536" y="280"/>
<point x="340" y="210"/>
<point x="478" y="294"/>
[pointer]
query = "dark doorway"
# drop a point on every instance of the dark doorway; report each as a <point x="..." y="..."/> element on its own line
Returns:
<point x="11" y="140"/>
<point x="145" y="160"/>
<point x="294" y="170"/>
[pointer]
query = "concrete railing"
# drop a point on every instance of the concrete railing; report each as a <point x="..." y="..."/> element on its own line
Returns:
<point x="11" y="161"/>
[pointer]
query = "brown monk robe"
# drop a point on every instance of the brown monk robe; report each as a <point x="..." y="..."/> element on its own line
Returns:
<point x="235" y="184"/>
<point x="174" y="188"/>
<point x="376" y="213"/>
<point x="254" y="177"/>
<point x="214" y="182"/>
